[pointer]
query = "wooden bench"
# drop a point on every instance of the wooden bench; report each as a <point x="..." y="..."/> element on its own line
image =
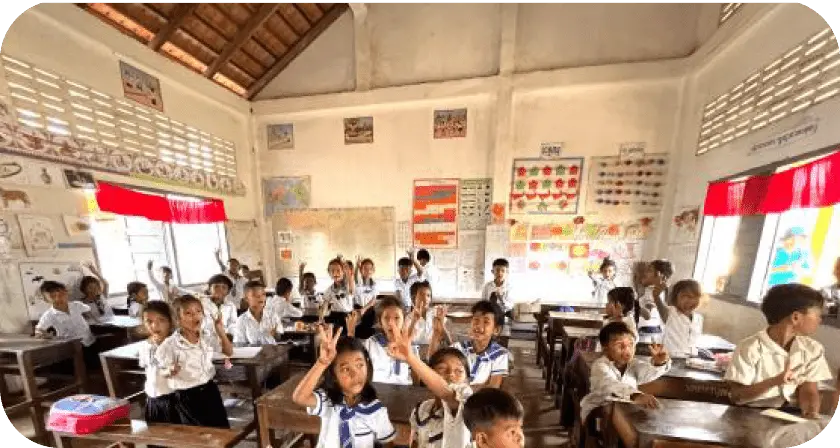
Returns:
<point x="138" y="432"/>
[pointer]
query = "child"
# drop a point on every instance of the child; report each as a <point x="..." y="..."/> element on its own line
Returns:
<point x="782" y="364"/>
<point x="655" y="282"/>
<point x="429" y="272"/>
<point x="500" y="286"/>
<point x="138" y="297"/>
<point x="67" y="319"/>
<point x="683" y="326"/>
<point x="281" y="303"/>
<point x="306" y="288"/>
<point x="494" y="419"/>
<point x="617" y="374"/>
<point x="604" y="282"/>
<point x="832" y="293"/>
<point x="351" y="416"/>
<point x="256" y="326"/>
<point x="94" y="290"/>
<point x="160" y="400"/>
<point x="232" y="272"/>
<point x="403" y="282"/>
<point x="386" y="369"/>
<point x="338" y="298"/>
<point x="166" y="290"/>
<point x="621" y="307"/>
<point x="366" y="293"/>
<point x="187" y="358"/>
<point x="795" y="435"/>
<point x="422" y="314"/>
<point x="488" y="360"/>
<point x="217" y="306"/>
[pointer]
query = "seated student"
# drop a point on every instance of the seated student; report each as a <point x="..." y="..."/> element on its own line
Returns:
<point x="494" y="419"/>
<point x="655" y="281"/>
<point x="500" y="286"/>
<point x="94" y="290"/>
<point x="167" y="291"/>
<point x="621" y="307"/>
<point x="233" y="272"/>
<point x="618" y="374"/>
<point x="386" y="369"/>
<point x="683" y="324"/>
<point x="217" y="306"/>
<point x="345" y="400"/>
<point x="604" y="281"/>
<point x="488" y="359"/>
<point x="795" y="435"/>
<point x="160" y="399"/>
<point x="338" y="298"/>
<point x="781" y="365"/>
<point x="67" y="320"/>
<point x="137" y="299"/>
<point x="404" y="280"/>
<point x="187" y="358"/>
<point x="256" y="326"/>
<point x="429" y="272"/>
<point x="306" y="288"/>
<point x="422" y="314"/>
<point x="281" y="303"/>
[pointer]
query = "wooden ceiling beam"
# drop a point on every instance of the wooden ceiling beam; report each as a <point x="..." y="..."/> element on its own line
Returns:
<point x="184" y="10"/>
<point x="244" y="33"/>
<point x="297" y="48"/>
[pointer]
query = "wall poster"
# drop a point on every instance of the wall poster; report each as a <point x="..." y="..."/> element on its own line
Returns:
<point x="285" y="193"/>
<point x="475" y="201"/>
<point x="435" y="213"/>
<point x="546" y="187"/>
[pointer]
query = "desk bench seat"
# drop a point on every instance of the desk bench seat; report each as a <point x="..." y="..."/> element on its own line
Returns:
<point x="138" y="432"/>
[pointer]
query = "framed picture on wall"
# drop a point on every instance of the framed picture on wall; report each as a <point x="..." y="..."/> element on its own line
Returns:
<point x="358" y="130"/>
<point x="141" y="87"/>
<point x="280" y="136"/>
<point x="79" y="179"/>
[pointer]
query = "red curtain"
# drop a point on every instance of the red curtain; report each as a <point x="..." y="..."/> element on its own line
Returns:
<point x="813" y="185"/>
<point x="123" y="201"/>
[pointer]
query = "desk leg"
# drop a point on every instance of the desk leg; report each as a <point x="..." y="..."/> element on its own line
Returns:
<point x="549" y="362"/>
<point x="79" y="367"/>
<point x="263" y="432"/>
<point x="30" y="390"/>
<point x="109" y="370"/>
<point x="61" y="442"/>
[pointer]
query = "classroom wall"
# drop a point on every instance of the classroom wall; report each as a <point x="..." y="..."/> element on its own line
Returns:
<point x="68" y="41"/>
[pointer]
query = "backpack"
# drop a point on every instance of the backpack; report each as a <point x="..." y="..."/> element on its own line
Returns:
<point x="85" y="414"/>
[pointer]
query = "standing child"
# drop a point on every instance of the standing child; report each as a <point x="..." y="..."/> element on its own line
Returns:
<point x="351" y="416"/>
<point x="281" y="303"/>
<point x="256" y="326"/>
<point x="494" y="419"/>
<point x="683" y="325"/>
<point x="427" y="272"/>
<point x="500" y="286"/>
<point x="94" y="290"/>
<point x="167" y="291"/>
<point x="217" y="306"/>
<point x="604" y="281"/>
<point x="422" y="314"/>
<point x="138" y="297"/>
<point x="187" y="358"/>
<point x="386" y="369"/>
<point x="306" y="288"/>
<point x="488" y="359"/>
<point x="655" y="281"/>
<point x="621" y="307"/>
<point x="781" y="365"/>
<point x="233" y="271"/>
<point x="338" y="298"/>
<point x="67" y="320"/>
<point x="160" y="399"/>
<point x="404" y="280"/>
<point x="366" y="293"/>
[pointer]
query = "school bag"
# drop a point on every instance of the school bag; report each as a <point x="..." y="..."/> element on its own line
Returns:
<point x="85" y="414"/>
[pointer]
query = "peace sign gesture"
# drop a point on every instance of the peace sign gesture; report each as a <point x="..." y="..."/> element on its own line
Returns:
<point x="328" y="342"/>
<point x="788" y="376"/>
<point x="400" y="348"/>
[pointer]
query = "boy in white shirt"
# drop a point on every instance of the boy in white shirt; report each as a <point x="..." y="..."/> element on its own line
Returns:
<point x="488" y="359"/>
<point x="66" y="318"/>
<point x="404" y="280"/>
<point x="257" y="326"/>
<point x="494" y="419"/>
<point x="617" y="374"/>
<point x="500" y="286"/>
<point x="233" y="272"/>
<point x="683" y="324"/>
<point x="655" y="280"/>
<point x="781" y="365"/>
<point x="218" y="305"/>
<point x="422" y="314"/>
<point x="430" y="272"/>
<point x="281" y="303"/>
<point x="621" y="307"/>
<point x="167" y="291"/>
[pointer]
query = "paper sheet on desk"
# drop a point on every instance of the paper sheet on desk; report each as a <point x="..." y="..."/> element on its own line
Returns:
<point x="775" y="413"/>
<point x="239" y="353"/>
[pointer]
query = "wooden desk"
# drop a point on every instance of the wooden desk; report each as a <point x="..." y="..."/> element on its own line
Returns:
<point x="569" y="327"/>
<point x="22" y="354"/>
<point x="687" y="421"/>
<point x="125" y="328"/>
<point x="138" y="432"/>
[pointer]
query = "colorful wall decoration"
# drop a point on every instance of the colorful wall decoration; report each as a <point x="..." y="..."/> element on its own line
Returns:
<point x="544" y="187"/>
<point x="435" y="213"/>
<point x="358" y="130"/>
<point x="141" y="87"/>
<point x="284" y="193"/>
<point x="475" y="202"/>
<point x="450" y="123"/>
<point x="630" y="185"/>
<point x="280" y="136"/>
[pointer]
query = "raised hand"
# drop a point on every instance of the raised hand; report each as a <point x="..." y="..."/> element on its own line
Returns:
<point x="352" y="320"/>
<point x="400" y="346"/>
<point x="328" y="342"/>
<point x="659" y="355"/>
<point x="410" y="253"/>
<point x="439" y="319"/>
<point x="302" y="265"/>
<point x="150" y="264"/>
<point x="646" y="401"/>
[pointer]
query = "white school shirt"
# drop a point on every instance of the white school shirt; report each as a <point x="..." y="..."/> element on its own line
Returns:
<point x="602" y="287"/>
<point x="250" y="332"/>
<point x="311" y="300"/>
<point x="440" y="428"/>
<point x="492" y="361"/>
<point x="135" y="309"/>
<point x="238" y="291"/>
<point x="195" y="360"/>
<point x="424" y="327"/>
<point x="95" y="314"/>
<point x="681" y="333"/>
<point x="502" y="291"/>
<point x="403" y="289"/>
<point x="655" y="320"/>
<point x="162" y="289"/>
<point x="606" y="381"/>
<point x="431" y="274"/>
<point x="369" y="423"/>
<point x="211" y="311"/>
<point x="281" y="308"/>
<point x="758" y="358"/>
<point x="386" y="369"/>
<point x="71" y="324"/>
<point x="365" y="293"/>
<point x="157" y="379"/>
<point x="339" y="299"/>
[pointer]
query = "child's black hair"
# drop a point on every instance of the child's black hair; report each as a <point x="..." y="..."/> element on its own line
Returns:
<point x="254" y="284"/>
<point x="485" y="407"/>
<point x="405" y="262"/>
<point x="221" y="279"/>
<point x="783" y="300"/>
<point x="612" y="330"/>
<point x="626" y="297"/>
<point x="501" y="262"/>
<point x="488" y="307"/>
<point x="336" y="261"/>
<point x="87" y="280"/>
<point x="388" y="302"/>
<point x="423" y="254"/>
<point x="283" y="287"/>
<point x="132" y="290"/>
<point x="182" y="301"/>
<point x="366" y="261"/>
<point x="330" y="384"/>
<point x="308" y="275"/>
<point x="50" y="286"/>
<point x="606" y="263"/>
<point x="689" y="285"/>
<point x="166" y="270"/>
<point x="663" y="267"/>
<point x="160" y="307"/>
<point x="446" y="352"/>
<point x="417" y="286"/>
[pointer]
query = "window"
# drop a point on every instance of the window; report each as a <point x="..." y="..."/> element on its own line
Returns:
<point x="806" y="75"/>
<point x="727" y="10"/>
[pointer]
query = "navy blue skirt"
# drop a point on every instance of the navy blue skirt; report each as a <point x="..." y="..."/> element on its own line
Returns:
<point x="161" y="409"/>
<point x="201" y="406"/>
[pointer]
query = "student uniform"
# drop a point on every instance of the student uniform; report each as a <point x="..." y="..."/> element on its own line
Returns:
<point x="312" y="300"/>
<point x="424" y="327"/>
<point x="431" y="274"/>
<point x="198" y="400"/>
<point x="434" y="425"/>
<point x="681" y="333"/>
<point x="403" y="289"/>
<point x="249" y="331"/>
<point x="602" y="287"/>
<point x="135" y="309"/>
<point x="385" y="368"/>
<point x="282" y="308"/>
<point x="167" y="293"/>
<point x="365" y="293"/>
<point x="758" y="358"/>
<point x="71" y="324"/>
<point x="339" y="298"/>
<point x="99" y="310"/>
<point x="238" y="291"/>
<point x="649" y="329"/>
<point x="160" y="397"/>
<point x="211" y="311"/>
<point x="492" y="361"/>
<point x="362" y="426"/>
<point x="606" y="381"/>
<point x="502" y="291"/>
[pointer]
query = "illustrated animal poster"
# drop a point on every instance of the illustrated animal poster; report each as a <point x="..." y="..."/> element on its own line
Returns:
<point x="475" y="203"/>
<point x="280" y="136"/>
<point x="141" y="87"/>
<point x="285" y="193"/>
<point x="623" y="186"/>
<point x="32" y="275"/>
<point x="545" y="187"/>
<point x="358" y="130"/>
<point x="435" y="213"/>
<point x="14" y="199"/>
<point x="450" y="123"/>
<point x="38" y="235"/>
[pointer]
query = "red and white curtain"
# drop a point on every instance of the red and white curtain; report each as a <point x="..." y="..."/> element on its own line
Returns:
<point x="123" y="201"/>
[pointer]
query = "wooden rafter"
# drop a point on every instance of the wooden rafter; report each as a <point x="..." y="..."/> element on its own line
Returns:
<point x="182" y="12"/>
<point x="295" y="50"/>
<point x="244" y="33"/>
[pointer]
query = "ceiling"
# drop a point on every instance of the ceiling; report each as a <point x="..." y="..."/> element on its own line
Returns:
<point x="241" y="46"/>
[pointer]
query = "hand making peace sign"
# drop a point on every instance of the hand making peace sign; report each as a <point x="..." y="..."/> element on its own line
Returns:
<point x="328" y="342"/>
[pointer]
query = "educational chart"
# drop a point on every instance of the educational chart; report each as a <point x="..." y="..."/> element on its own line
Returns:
<point x="435" y="213"/>
<point x="475" y="201"/>
<point x="285" y="193"/>
<point x="32" y="275"/>
<point x="626" y="186"/>
<point x="38" y="235"/>
<point x="318" y="235"/>
<point x="546" y="187"/>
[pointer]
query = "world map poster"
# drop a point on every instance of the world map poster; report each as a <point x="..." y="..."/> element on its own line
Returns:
<point x="435" y="213"/>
